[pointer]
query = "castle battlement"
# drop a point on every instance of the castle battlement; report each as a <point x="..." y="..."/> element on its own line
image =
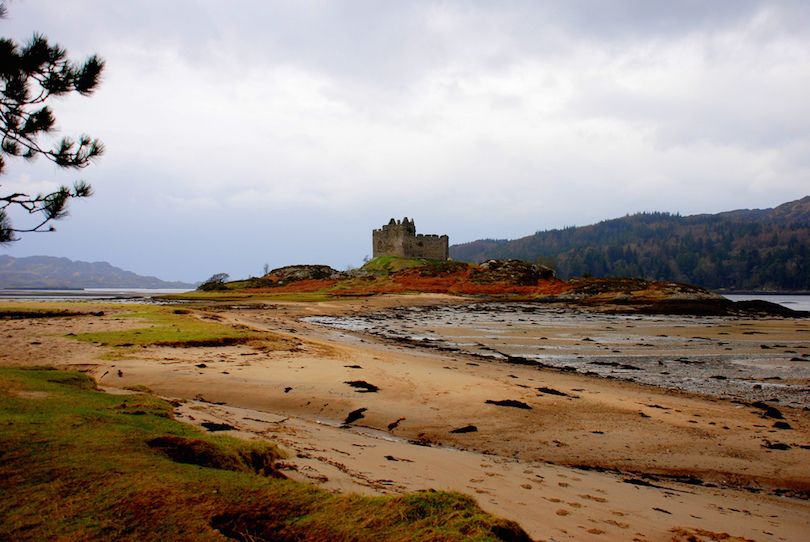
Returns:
<point x="400" y="239"/>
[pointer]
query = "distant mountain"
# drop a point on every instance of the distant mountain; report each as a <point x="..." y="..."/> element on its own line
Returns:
<point x="50" y="272"/>
<point x="743" y="250"/>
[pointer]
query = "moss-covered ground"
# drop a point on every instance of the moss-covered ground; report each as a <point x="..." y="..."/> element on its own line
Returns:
<point x="177" y="327"/>
<point x="80" y="464"/>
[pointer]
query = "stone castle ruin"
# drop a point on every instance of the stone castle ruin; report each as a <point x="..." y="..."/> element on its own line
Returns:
<point x="399" y="239"/>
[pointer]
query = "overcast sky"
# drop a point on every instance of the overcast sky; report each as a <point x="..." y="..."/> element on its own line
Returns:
<point x="245" y="133"/>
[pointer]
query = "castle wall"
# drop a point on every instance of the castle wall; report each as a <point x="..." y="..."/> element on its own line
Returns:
<point x="400" y="239"/>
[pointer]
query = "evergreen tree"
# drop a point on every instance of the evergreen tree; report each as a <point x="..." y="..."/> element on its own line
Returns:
<point x="30" y="76"/>
<point x="746" y="250"/>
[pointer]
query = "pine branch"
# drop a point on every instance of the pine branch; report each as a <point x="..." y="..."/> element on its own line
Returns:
<point x="29" y="76"/>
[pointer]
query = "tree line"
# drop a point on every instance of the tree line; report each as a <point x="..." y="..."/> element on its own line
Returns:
<point x="741" y="250"/>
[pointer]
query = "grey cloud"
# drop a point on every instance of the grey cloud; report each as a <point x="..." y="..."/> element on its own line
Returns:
<point x="640" y="19"/>
<point x="318" y="116"/>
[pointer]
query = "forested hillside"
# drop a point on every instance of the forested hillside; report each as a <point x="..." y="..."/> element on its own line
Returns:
<point x="746" y="250"/>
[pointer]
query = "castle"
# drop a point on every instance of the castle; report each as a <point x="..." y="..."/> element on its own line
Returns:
<point x="399" y="239"/>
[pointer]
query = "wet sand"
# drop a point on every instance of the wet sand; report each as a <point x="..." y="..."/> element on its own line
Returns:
<point x="570" y="456"/>
<point x="729" y="357"/>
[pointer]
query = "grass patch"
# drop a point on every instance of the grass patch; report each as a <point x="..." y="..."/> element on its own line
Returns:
<point x="78" y="464"/>
<point x="140" y="388"/>
<point x="19" y="311"/>
<point x="386" y="265"/>
<point x="218" y="295"/>
<point x="253" y="294"/>
<point x="181" y="328"/>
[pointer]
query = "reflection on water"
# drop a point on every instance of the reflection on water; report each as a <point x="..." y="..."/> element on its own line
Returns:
<point x="723" y="357"/>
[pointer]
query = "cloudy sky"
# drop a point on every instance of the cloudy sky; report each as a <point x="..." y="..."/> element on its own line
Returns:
<point x="251" y="132"/>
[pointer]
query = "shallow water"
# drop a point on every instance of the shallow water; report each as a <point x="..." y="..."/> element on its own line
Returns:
<point x="88" y="295"/>
<point x="666" y="351"/>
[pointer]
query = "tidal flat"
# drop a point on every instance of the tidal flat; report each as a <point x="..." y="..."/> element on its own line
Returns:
<point x="567" y="453"/>
<point x="763" y="359"/>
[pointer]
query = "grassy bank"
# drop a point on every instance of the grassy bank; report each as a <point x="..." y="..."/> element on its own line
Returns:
<point x="182" y="328"/>
<point x="79" y="464"/>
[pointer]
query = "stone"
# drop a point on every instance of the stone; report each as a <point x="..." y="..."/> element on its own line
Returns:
<point x="400" y="239"/>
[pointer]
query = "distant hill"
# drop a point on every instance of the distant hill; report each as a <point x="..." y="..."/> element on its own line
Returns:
<point x="50" y="272"/>
<point x="743" y="250"/>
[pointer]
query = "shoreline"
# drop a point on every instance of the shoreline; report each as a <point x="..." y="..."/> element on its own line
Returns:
<point x="726" y="360"/>
<point x="601" y="424"/>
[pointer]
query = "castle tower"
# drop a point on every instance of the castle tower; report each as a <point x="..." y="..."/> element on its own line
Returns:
<point x="400" y="239"/>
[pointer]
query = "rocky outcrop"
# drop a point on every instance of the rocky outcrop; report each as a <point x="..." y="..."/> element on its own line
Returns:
<point x="295" y="273"/>
<point x="621" y="289"/>
<point x="514" y="272"/>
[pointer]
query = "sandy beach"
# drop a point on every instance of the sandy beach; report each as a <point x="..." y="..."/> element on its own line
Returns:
<point x="569" y="456"/>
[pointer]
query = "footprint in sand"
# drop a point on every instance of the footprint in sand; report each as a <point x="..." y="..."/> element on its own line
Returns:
<point x="591" y="497"/>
